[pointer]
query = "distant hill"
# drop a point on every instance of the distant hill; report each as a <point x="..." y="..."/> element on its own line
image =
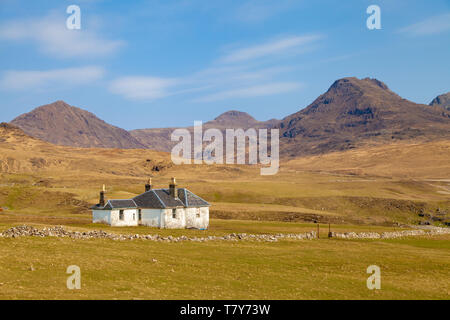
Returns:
<point x="14" y="143"/>
<point x="11" y="135"/>
<point x="159" y="139"/>
<point x="236" y="119"/>
<point x="62" y="124"/>
<point x="358" y="112"/>
<point x="442" y="101"/>
<point x="401" y="159"/>
<point x="21" y="153"/>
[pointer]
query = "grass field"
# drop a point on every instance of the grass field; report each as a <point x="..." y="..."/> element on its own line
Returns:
<point x="289" y="197"/>
<point x="35" y="268"/>
<point x="375" y="189"/>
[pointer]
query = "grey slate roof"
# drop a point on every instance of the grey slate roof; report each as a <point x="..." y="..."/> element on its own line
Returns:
<point x="157" y="199"/>
<point x="116" y="204"/>
<point x="161" y="198"/>
<point x="149" y="199"/>
<point x="192" y="200"/>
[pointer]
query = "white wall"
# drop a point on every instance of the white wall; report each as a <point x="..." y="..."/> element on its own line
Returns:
<point x="162" y="218"/>
<point x="128" y="218"/>
<point x="174" y="223"/>
<point x="201" y="222"/>
<point x="151" y="217"/>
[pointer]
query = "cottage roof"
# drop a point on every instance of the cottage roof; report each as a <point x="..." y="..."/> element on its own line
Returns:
<point x="158" y="199"/>
<point x="120" y="204"/>
<point x="161" y="198"/>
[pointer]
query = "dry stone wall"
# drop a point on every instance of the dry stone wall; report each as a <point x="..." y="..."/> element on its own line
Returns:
<point x="58" y="231"/>
<point x="390" y="235"/>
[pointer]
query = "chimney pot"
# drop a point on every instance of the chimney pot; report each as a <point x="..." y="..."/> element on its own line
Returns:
<point x="148" y="186"/>
<point x="101" y="202"/>
<point x="173" y="189"/>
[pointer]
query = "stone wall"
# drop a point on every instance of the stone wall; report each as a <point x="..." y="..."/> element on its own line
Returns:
<point x="390" y="235"/>
<point x="59" y="231"/>
<point x="24" y="231"/>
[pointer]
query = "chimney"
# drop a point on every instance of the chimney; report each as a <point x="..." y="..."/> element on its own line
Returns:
<point x="102" y="197"/>
<point x="173" y="189"/>
<point x="148" y="185"/>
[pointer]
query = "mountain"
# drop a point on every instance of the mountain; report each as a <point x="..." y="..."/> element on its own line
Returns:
<point x="159" y="139"/>
<point x="352" y="113"/>
<point x="442" y="101"/>
<point x="236" y="119"/>
<point x="62" y="124"/>
<point x="359" y="112"/>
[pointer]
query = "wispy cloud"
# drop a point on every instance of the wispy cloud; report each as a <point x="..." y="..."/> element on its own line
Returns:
<point x="237" y="74"/>
<point x="260" y="10"/>
<point x="52" y="37"/>
<point x="434" y="25"/>
<point x="212" y="79"/>
<point x="287" y="45"/>
<point x="253" y="91"/>
<point x="243" y="73"/>
<point x="30" y="80"/>
<point x="142" y="88"/>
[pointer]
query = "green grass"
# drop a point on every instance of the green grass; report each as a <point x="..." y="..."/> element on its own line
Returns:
<point x="416" y="268"/>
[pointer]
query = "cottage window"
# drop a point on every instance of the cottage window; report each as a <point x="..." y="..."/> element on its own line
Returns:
<point x="198" y="213"/>
<point x="140" y="215"/>
<point x="134" y="216"/>
<point x="120" y="214"/>
<point x="174" y="213"/>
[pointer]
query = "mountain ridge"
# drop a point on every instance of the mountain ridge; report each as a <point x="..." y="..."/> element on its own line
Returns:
<point x="62" y="124"/>
<point x="351" y="113"/>
<point x="355" y="112"/>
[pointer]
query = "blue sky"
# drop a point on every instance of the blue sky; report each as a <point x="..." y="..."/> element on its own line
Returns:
<point x="143" y="64"/>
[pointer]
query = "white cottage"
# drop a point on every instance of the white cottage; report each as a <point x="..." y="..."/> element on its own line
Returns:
<point x="173" y="208"/>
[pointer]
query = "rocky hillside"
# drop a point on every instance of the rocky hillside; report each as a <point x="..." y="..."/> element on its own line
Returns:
<point x="62" y="124"/>
<point x="442" y="101"/>
<point x="356" y="112"/>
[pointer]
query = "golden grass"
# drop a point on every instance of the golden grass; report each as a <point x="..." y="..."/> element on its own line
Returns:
<point x="403" y="160"/>
<point x="368" y="189"/>
<point x="310" y="269"/>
